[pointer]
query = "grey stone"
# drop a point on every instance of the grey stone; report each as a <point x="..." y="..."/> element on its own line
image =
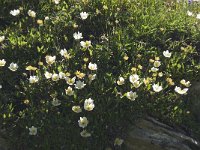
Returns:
<point x="150" y="134"/>
<point x="194" y="100"/>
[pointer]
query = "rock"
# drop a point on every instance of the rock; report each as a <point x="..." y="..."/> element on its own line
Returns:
<point x="194" y="100"/>
<point x="150" y="134"/>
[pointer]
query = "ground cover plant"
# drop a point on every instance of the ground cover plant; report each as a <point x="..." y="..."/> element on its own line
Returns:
<point x="75" y="74"/>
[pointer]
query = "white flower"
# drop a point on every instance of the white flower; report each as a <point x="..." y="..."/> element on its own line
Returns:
<point x="157" y="63"/>
<point x="48" y="75"/>
<point x="76" y="109"/>
<point x="50" y="59"/>
<point x="62" y="75"/>
<point x="56" y="1"/>
<point x="79" y="84"/>
<point x="181" y="91"/>
<point x="55" y="77"/>
<point x="92" y="66"/>
<point x="133" y="78"/>
<point x="2" y="38"/>
<point x="15" y="12"/>
<point x="153" y="69"/>
<point x="63" y="52"/>
<point x="131" y="95"/>
<point x="56" y="102"/>
<point x="137" y="84"/>
<point x="157" y="88"/>
<point x="189" y="13"/>
<point x="84" y="15"/>
<point x="0" y="86"/>
<point x="69" y="91"/>
<point x="160" y="74"/>
<point x="2" y="62"/>
<point x="85" y="134"/>
<point x="32" y="130"/>
<point x="13" y="67"/>
<point x="120" y="81"/>
<point x="46" y="18"/>
<point x="83" y="122"/>
<point x="85" y="44"/>
<point x="33" y="79"/>
<point x="70" y="81"/>
<point x="118" y="142"/>
<point x="167" y="54"/>
<point x="77" y="36"/>
<point x="89" y="104"/>
<point x="198" y="16"/>
<point x="187" y="84"/>
<point x="92" y="77"/>
<point x="31" y="13"/>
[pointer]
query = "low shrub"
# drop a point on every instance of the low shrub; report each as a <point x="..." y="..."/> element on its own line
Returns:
<point x="74" y="74"/>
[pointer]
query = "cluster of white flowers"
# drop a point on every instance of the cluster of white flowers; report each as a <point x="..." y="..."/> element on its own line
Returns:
<point x="134" y="79"/>
<point x="83" y="121"/>
<point x="157" y="64"/>
<point x="184" y="90"/>
<point x="157" y="87"/>
<point x="16" y="12"/>
<point x="13" y="66"/>
<point x="76" y="81"/>
<point x="191" y="14"/>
